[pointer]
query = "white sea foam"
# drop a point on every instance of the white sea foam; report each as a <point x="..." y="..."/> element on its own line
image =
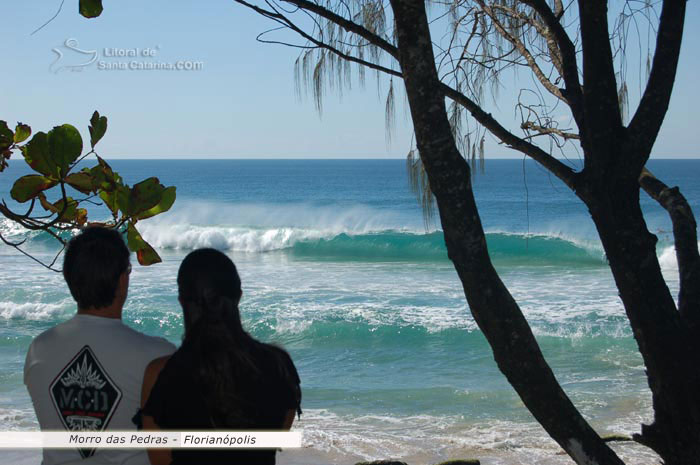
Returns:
<point x="10" y="229"/>
<point x="429" y="438"/>
<point x="189" y="237"/>
<point x="258" y="227"/>
<point x="350" y="218"/>
<point x="13" y="419"/>
<point x="35" y="311"/>
<point x="667" y="259"/>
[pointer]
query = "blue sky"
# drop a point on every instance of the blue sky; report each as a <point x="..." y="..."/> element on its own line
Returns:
<point x="241" y="104"/>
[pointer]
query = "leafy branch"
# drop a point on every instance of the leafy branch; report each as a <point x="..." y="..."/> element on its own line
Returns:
<point x="54" y="157"/>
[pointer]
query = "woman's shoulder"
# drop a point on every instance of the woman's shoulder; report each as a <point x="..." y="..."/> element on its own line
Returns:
<point x="281" y="378"/>
<point x="153" y="370"/>
<point x="277" y="359"/>
<point x="155" y="366"/>
<point x="172" y="367"/>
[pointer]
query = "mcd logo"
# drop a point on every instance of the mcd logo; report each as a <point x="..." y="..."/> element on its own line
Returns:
<point x="84" y="395"/>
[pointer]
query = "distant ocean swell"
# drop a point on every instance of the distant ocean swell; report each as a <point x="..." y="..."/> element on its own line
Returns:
<point x="386" y="244"/>
<point x="400" y="245"/>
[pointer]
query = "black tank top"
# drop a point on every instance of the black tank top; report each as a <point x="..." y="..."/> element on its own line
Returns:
<point x="177" y="403"/>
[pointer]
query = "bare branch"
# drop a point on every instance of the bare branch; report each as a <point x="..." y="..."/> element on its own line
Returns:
<point x="283" y="19"/>
<point x="530" y="126"/>
<point x="60" y="7"/>
<point x="573" y="94"/>
<point x="17" y="247"/>
<point x="559" y="169"/>
<point x="346" y="24"/>
<point x="544" y="31"/>
<point x="686" y="243"/>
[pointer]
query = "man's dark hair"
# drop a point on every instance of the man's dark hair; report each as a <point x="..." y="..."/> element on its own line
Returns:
<point x="93" y="262"/>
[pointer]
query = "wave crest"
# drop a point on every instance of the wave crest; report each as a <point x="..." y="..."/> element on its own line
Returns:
<point x="383" y="245"/>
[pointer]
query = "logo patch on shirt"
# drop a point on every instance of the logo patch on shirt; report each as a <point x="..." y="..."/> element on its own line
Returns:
<point x="84" y="395"/>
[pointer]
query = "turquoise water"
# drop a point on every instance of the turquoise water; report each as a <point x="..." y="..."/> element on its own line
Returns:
<point x="338" y="267"/>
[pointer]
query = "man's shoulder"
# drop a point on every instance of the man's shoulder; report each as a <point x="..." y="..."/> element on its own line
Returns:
<point x="146" y="341"/>
<point x="120" y="334"/>
<point x="49" y="335"/>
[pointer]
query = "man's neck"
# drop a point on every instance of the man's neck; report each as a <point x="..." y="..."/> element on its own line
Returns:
<point x="104" y="312"/>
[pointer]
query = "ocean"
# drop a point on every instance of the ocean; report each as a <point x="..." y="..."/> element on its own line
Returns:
<point x="339" y="267"/>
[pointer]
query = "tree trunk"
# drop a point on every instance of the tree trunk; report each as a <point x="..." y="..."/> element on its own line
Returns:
<point x="494" y="309"/>
<point x="671" y="353"/>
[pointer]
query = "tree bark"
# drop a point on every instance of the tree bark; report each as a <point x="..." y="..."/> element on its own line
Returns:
<point x="515" y="349"/>
<point x="685" y="238"/>
<point x="669" y="351"/>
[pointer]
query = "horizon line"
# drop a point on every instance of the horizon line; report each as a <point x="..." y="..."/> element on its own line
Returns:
<point x="153" y="158"/>
<point x="215" y="158"/>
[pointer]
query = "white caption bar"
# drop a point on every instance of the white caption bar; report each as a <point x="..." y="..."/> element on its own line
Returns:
<point x="153" y="439"/>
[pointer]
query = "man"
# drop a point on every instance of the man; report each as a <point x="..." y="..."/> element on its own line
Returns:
<point x="86" y="373"/>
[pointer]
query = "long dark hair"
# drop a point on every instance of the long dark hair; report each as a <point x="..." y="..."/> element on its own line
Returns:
<point x="209" y="290"/>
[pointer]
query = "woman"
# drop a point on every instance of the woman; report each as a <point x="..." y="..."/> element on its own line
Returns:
<point x="220" y="378"/>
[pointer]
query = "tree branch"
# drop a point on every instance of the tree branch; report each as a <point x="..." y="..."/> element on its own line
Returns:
<point x="277" y="16"/>
<point x="573" y="94"/>
<point x="17" y="247"/>
<point x="686" y="244"/>
<point x="559" y="169"/>
<point x="603" y="120"/>
<point x="646" y="122"/>
<point x="524" y="52"/>
<point x="530" y="126"/>
<point x="544" y="31"/>
<point x="346" y="24"/>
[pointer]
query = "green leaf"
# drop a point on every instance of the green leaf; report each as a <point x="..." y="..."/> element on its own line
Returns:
<point x="98" y="127"/>
<point x="69" y="205"/>
<point x="36" y="154"/>
<point x="81" y="181"/>
<point x="81" y="216"/>
<point x="29" y="186"/>
<point x="145" y="195"/>
<point x="105" y="178"/>
<point x="108" y="183"/>
<point x="145" y="254"/>
<point x="124" y="199"/>
<point x="166" y="201"/>
<point x="110" y="200"/>
<point x="22" y="133"/>
<point x="65" y="146"/>
<point x="117" y="199"/>
<point x="71" y="214"/>
<point x="91" y="8"/>
<point x="6" y="136"/>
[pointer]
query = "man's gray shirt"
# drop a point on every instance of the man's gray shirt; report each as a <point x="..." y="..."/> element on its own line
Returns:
<point x="86" y="374"/>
